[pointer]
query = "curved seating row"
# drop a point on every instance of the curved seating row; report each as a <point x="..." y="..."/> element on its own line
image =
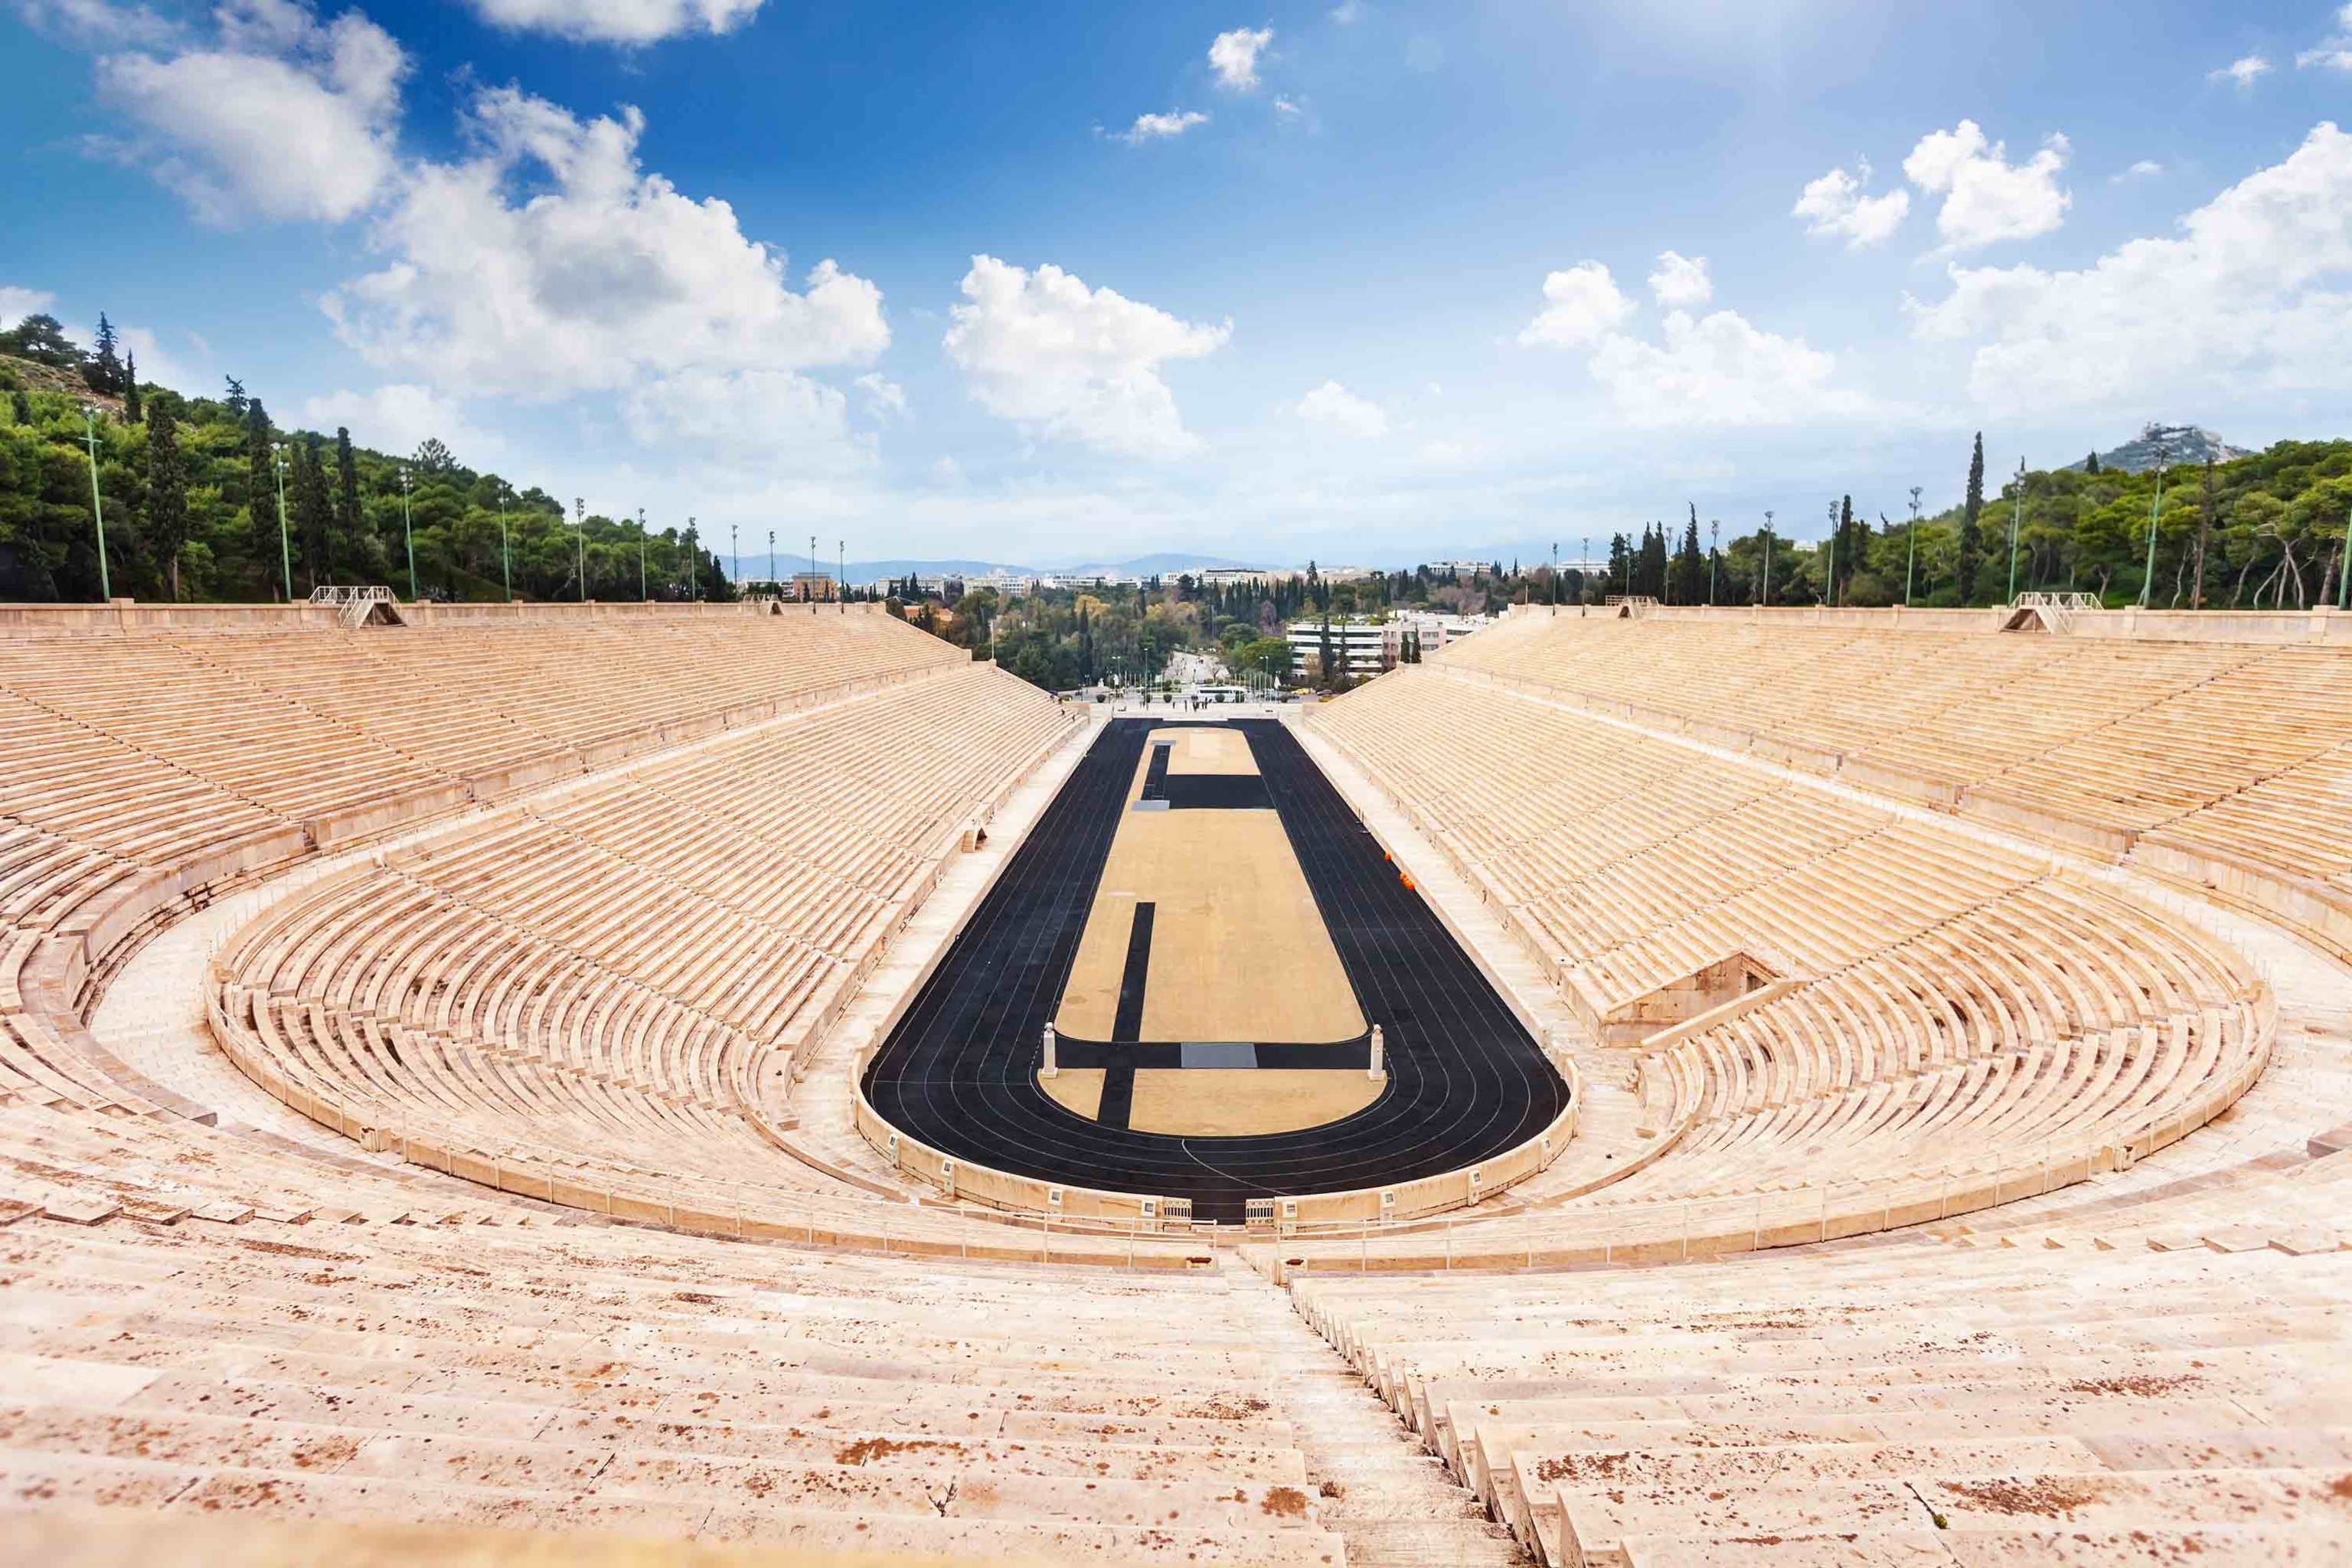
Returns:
<point x="1930" y="1017"/>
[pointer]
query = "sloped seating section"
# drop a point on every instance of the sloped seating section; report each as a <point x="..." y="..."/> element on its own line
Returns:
<point x="528" y="1371"/>
<point x="1954" y="1023"/>
<point x="2092" y="1394"/>
<point x="614" y="980"/>
<point x="2119" y="749"/>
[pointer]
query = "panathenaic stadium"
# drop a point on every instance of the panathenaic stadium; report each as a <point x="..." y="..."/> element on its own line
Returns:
<point x="692" y="1084"/>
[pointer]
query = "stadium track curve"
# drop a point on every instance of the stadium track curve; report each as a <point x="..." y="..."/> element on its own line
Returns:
<point x="1466" y="1081"/>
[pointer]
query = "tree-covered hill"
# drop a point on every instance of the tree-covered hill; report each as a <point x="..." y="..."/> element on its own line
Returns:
<point x="190" y="487"/>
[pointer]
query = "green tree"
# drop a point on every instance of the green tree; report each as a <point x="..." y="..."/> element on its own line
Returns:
<point x="42" y="339"/>
<point x="166" y="529"/>
<point x="313" y="506"/>
<point x="1971" y="535"/>
<point x="261" y="492"/>
<point x="131" y="409"/>
<point x="104" y="371"/>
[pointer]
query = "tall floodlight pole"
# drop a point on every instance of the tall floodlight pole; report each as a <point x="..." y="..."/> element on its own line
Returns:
<point x="734" y="559"/>
<point x="642" y="595"/>
<point x="506" y="543"/>
<point x="693" y="565"/>
<point x="841" y="591"/>
<point x="1555" y="571"/>
<point x="2148" y="588"/>
<point x="97" y="508"/>
<point x="812" y="567"/>
<point x="1767" y="599"/>
<point x="1832" y="584"/>
<point x="1714" y="545"/>
<point x="580" y="542"/>
<point x="2016" y="526"/>
<point x="285" y="545"/>
<point x="408" y="534"/>
<point x="1911" y="557"/>
<point x="772" y="564"/>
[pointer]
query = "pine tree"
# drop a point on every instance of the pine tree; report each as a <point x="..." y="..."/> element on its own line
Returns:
<point x="1971" y="537"/>
<point x="351" y="523"/>
<point x="131" y="411"/>
<point x="167" y="494"/>
<point x="2091" y="464"/>
<point x="235" y="400"/>
<point x="104" y="371"/>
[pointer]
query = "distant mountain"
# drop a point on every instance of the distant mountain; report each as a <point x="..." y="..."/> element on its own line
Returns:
<point x="1163" y="562"/>
<point x="866" y="570"/>
<point x="2181" y="445"/>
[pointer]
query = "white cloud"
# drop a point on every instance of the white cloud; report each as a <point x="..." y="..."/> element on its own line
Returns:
<point x="1834" y="203"/>
<point x="398" y="418"/>
<point x="285" y="117"/>
<point x="616" y="21"/>
<point x="1336" y="406"/>
<point x="16" y="303"/>
<point x="2334" y="52"/>
<point x="2251" y="297"/>
<point x="1161" y="127"/>
<point x="157" y="365"/>
<point x="1233" y="56"/>
<point x="1681" y="281"/>
<point x="775" y="420"/>
<point x="2243" y="72"/>
<point x="606" y="276"/>
<point x="1719" y="369"/>
<point x="1987" y="199"/>
<point x="98" y="23"/>
<point x="1285" y="105"/>
<point x="1348" y="12"/>
<point x="1581" y="306"/>
<point x="1061" y="360"/>
<point x="2145" y="169"/>
<point x="884" y="396"/>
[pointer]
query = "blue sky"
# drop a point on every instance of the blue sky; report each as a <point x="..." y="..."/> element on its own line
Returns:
<point x="1045" y="282"/>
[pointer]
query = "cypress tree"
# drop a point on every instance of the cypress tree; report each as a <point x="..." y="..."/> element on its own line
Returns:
<point x="261" y="490"/>
<point x="167" y="493"/>
<point x="314" y="512"/>
<point x="1971" y="538"/>
<point x="2091" y="464"/>
<point x="132" y="412"/>
<point x="350" y="521"/>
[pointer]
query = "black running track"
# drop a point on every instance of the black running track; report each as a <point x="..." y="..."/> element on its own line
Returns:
<point x="1465" y="1081"/>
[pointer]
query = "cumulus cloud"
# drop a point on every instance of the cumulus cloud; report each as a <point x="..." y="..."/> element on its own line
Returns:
<point x="884" y="397"/>
<point x="1335" y="407"/>
<point x="2335" y="52"/>
<point x="16" y="303"/>
<point x="1681" y="281"/>
<point x="1061" y="360"/>
<point x="1581" y="306"/>
<point x="604" y="276"/>
<point x="1233" y="56"/>
<point x="399" y="417"/>
<point x="616" y="21"/>
<point x="2249" y="297"/>
<point x="1835" y="205"/>
<point x="1161" y="127"/>
<point x="769" y="419"/>
<point x="1717" y="369"/>
<point x="2243" y="72"/>
<point x="282" y="116"/>
<point x="1348" y="12"/>
<point x="1988" y="199"/>
<point x="2145" y="169"/>
<point x="98" y="23"/>
<point x="1285" y="105"/>
<point x="157" y="363"/>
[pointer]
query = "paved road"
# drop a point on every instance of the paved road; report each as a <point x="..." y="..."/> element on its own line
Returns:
<point x="1465" y="1080"/>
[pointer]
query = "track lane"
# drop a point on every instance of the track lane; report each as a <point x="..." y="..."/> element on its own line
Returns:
<point x="1465" y="1080"/>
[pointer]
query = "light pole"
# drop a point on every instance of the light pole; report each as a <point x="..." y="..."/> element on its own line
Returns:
<point x="841" y="583"/>
<point x="812" y="568"/>
<point x="2344" y="568"/>
<point x="408" y="534"/>
<point x="1832" y="584"/>
<point x="1555" y="571"/>
<point x="693" y="566"/>
<point x="1714" y="544"/>
<point x="1911" y="556"/>
<point x="2016" y="526"/>
<point x="580" y="542"/>
<point x="97" y="509"/>
<point x="772" y="564"/>
<point x="2147" y="587"/>
<point x="506" y="546"/>
<point x="641" y="555"/>
<point x="734" y="557"/>
<point x="285" y="547"/>
<point x="1767" y="600"/>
